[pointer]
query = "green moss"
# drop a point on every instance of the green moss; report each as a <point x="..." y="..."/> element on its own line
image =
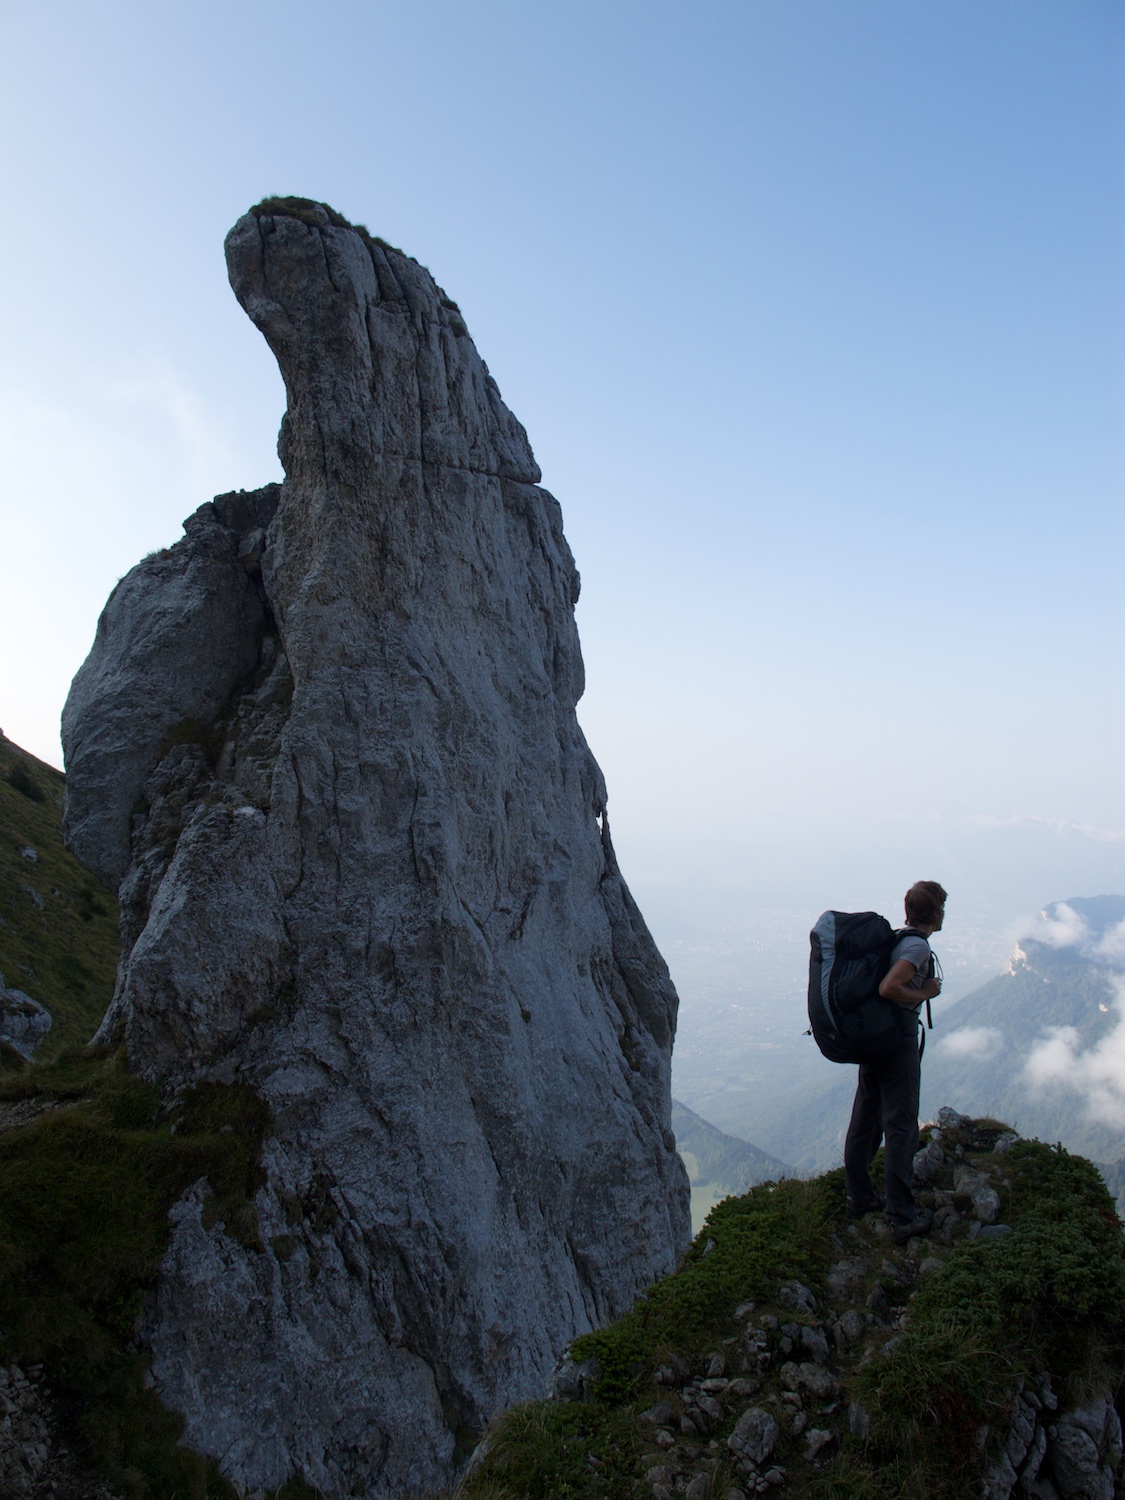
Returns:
<point x="85" y="1191"/>
<point x="748" y="1246"/>
<point x="63" y="953"/>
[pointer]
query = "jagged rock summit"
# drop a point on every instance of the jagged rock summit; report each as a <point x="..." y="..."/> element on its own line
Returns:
<point x="326" y="745"/>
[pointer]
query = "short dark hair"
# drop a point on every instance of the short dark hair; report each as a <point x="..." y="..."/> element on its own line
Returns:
<point x="924" y="902"/>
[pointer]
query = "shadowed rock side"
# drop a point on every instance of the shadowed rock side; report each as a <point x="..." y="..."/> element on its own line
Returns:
<point x="327" y="743"/>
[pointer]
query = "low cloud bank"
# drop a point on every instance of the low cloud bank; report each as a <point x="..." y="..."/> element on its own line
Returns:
<point x="1060" y="926"/>
<point x="1097" y="1073"/>
<point x="976" y="1043"/>
<point x="1111" y="948"/>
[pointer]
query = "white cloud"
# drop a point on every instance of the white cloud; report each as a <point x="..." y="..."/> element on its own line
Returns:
<point x="976" y="1042"/>
<point x="1111" y="949"/>
<point x="1098" y="1073"/>
<point x="1054" y="1059"/>
<point x="1060" y="926"/>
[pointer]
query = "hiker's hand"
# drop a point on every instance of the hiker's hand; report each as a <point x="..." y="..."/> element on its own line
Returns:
<point x="930" y="989"/>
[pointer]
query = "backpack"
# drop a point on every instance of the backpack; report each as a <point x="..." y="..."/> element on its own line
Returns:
<point x="850" y="956"/>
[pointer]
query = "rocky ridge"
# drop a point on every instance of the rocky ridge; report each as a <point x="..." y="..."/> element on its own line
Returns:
<point x="813" y="1343"/>
<point x="792" y="1397"/>
<point x="326" y="749"/>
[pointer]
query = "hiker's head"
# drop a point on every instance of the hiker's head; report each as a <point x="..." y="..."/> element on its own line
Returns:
<point x="925" y="905"/>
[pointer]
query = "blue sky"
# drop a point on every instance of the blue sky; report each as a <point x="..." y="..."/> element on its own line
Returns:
<point x="813" y="312"/>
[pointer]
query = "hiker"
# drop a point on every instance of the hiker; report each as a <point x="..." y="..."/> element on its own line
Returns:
<point x="886" y="1098"/>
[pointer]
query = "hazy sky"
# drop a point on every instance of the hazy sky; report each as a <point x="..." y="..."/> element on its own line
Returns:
<point x="812" y="309"/>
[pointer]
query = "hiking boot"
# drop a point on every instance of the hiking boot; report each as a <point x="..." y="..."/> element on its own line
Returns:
<point x="921" y="1222"/>
<point x="872" y="1205"/>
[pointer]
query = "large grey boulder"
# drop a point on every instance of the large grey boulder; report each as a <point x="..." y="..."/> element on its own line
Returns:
<point x="1085" y="1453"/>
<point x="327" y="744"/>
<point x="24" y="1023"/>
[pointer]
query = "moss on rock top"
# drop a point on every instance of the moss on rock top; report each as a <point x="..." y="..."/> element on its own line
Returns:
<point x="314" y="213"/>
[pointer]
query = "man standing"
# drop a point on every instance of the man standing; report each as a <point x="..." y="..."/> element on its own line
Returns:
<point x="886" y="1098"/>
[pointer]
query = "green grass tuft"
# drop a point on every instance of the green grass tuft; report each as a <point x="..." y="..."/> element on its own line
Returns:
<point x="1051" y="1296"/>
<point x="556" y="1451"/>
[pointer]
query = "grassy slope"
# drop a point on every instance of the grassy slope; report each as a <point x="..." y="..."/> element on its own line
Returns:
<point x="91" y="1161"/>
<point x="64" y="954"/>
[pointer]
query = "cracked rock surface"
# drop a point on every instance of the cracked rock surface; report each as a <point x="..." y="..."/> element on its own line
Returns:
<point x="326" y="745"/>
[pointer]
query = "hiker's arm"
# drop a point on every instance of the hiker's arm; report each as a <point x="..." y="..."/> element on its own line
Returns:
<point x="894" y="986"/>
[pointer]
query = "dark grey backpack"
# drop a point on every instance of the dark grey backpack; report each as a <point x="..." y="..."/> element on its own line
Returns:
<point x="850" y="956"/>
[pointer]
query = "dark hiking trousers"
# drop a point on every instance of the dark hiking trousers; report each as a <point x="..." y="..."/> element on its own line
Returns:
<point x="885" y="1108"/>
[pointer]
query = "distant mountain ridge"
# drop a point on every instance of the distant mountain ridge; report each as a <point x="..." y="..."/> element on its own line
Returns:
<point x="718" y="1165"/>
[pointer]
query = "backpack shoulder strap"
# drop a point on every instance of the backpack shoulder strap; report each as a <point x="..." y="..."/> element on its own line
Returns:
<point x="900" y="933"/>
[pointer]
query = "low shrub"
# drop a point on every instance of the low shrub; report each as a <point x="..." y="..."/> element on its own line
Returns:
<point x="25" y="783"/>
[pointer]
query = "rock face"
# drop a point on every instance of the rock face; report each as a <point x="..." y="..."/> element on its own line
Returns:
<point x="1069" y="1455"/>
<point x="327" y="745"/>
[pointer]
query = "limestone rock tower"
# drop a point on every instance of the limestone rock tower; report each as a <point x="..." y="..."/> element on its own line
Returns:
<point x="326" y="747"/>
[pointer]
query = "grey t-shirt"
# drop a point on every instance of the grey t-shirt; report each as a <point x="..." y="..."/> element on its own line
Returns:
<point x="918" y="952"/>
